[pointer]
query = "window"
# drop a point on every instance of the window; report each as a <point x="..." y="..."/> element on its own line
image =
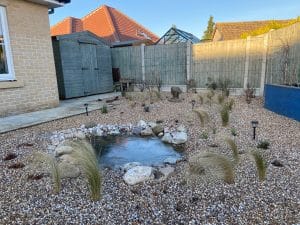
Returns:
<point x="6" y="66"/>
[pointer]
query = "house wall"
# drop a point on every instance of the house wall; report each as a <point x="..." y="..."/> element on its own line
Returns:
<point x="36" y="85"/>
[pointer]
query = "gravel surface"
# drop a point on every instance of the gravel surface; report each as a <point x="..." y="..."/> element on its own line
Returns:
<point x="172" y="201"/>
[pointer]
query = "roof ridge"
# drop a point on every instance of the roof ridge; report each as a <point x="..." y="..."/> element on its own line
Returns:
<point x="111" y="23"/>
<point x="92" y="12"/>
<point x="155" y="36"/>
<point x="60" y="22"/>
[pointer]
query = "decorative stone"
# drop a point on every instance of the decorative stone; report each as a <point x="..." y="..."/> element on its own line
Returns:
<point x="277" y="163"/>
<point x="179" y="138"/>
<point x="166" y="171"/>
<point x="171" y="160"/>
<point x="62" y="150"/>
<point x="147" y="132"/>
<point x="181" y="128"/>
<point x="167" y="138"/>
<point x="138" y="174"/>
<point x="142" y="124"/>
<point x="130" y="165"/>
<point x="68" y="159"/>
<point x="137" y="130"/>
<point x="157" y="129"/>
<point x="80" y="135"/>
<point x="160" y="134"/>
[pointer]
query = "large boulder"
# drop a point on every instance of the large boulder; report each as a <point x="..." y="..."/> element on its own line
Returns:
<point x="138" y="174"/>
<point x="167" y="138"/>
<point x="147" y="132"/>
<point x="157" y="129"/>
<point x="175" y="91"/>
<point x="63" y="150"/>
<point x="130" y="165"/>
<point x="179" y="138"/>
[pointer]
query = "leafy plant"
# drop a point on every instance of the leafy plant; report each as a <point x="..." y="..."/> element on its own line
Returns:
<point x="233" y="131"/>
<point x="87" y="159"/>
<point x="233" y="148"/>
<point x="263" y="144"/>
<point x="261" y="165"/>
<point x="203" y="116"/>
<point x="104" y="109"/>
<point x="224" y="116"/>
<point x="204" y="135"/>
<point x="51" y="163"/>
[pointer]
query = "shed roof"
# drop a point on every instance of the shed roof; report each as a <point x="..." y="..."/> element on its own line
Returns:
<point x="175" y="35"/>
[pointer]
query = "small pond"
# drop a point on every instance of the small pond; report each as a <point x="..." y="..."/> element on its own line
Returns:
<point x="115" y="151"/>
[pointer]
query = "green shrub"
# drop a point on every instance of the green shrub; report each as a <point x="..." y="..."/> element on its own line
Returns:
<point x="104" y="109"/>
<point x="87" y="159"/>
<point x="224" y="115"/>
<point x="204" y="135"/>
<point x="261" y="165"/>
<point x="233" y="132"/>
<point x="263" y="144"/>
<point x="229" y="104"/>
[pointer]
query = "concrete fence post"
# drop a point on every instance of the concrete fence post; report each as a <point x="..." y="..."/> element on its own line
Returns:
<point x="264" y="65"/>
<point x="246" y="74"/>
<point x="188" y="60"/>
<point x="143" y="61"/>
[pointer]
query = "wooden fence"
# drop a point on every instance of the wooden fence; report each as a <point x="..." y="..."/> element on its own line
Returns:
<point x="272" y="58"/>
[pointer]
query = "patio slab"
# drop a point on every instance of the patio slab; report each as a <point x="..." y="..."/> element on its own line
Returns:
<point x="65" y="109"/>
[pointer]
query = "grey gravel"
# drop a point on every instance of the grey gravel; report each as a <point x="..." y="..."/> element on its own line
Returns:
<point x="171" y="201"/>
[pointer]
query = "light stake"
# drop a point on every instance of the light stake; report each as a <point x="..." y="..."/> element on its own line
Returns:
<point x="193" y="103"/>
<point x="254" y="124"/>
<point x="86" y="105"/>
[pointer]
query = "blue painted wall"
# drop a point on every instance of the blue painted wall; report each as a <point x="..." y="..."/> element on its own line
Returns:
<point x="283" y="100"/>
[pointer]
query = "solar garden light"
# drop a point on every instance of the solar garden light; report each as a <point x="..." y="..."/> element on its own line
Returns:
<point x="193" y="103"/>
<point x="254" y="124"/>
<point x="86" y="105"/>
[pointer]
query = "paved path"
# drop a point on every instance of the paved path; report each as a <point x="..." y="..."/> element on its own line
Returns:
<point x="66" y="108"/>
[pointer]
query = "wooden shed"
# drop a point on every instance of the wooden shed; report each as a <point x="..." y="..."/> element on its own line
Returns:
<point x="83" y="65"/>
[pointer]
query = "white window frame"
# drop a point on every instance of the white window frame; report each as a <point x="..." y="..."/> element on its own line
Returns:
<point x="11" y="73"/>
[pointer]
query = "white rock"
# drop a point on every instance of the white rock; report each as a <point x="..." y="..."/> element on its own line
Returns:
<point x="114" y="131"/>
<point x="181" y="128"/>
<point x="166" y="171"/>
<point x="147" y="131"/>
<point x="152" y="124"/>
<point x="62" y="150"/>
<point x="55" y="141"/>
<point x="142" y="124"/>
<point x="68" y="159"/>
<point x="171" y="160"/>
<point x="80" y="135"/>
<point x="179" y="138"/>
<point x="130" y="165"/>
<point x="138" y="174"/>
<point x="167" y="138"/>
<point x="160" y="134"/>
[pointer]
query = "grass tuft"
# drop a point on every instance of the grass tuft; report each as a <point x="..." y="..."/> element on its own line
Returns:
<point x="221" y="99"/>
<point x="203" y="116"/>
<point x="218" y="165"/>
<point x="261" y="165"/>
<point x="104" y="109"/>
<point x="224" y="115"/>
<point x="234" y="149"/>
<point x="52" y="164"/>
<point x="87" y="159"/>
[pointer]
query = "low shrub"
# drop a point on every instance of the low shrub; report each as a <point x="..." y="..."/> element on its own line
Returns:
<point x="263" y="144"/>
<point x="104" y="109"/>
<point x="224" y="115"/>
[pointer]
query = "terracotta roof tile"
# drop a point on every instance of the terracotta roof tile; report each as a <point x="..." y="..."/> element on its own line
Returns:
<point x="234" y="30"/>
<point x="107" y="23"/>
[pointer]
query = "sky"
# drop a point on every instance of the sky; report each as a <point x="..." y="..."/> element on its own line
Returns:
<point x="189" y="15"/>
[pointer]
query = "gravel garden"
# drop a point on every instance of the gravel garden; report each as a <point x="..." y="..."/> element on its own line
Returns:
<point x="222" y="176"/>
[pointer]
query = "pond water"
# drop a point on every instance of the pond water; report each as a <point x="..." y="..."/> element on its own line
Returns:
<point x="115" y="151"/>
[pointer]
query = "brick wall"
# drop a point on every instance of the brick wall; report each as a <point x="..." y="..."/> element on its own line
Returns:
<point x="36" y="86"/>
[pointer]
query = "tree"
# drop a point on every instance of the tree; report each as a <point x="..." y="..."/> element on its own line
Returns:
<point x="208" y="34"/>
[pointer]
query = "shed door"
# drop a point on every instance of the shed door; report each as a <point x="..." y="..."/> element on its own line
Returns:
<point x="89" y="68"/>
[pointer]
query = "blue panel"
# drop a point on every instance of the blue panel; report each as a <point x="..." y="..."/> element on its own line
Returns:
<point x="283" y="100"/>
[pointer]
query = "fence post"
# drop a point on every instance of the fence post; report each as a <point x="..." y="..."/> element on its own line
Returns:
<point x="143" y="61"/>
<point x="248" y="43"/>
<point x="264" y="65"/>
<point x="188" y="60"/>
